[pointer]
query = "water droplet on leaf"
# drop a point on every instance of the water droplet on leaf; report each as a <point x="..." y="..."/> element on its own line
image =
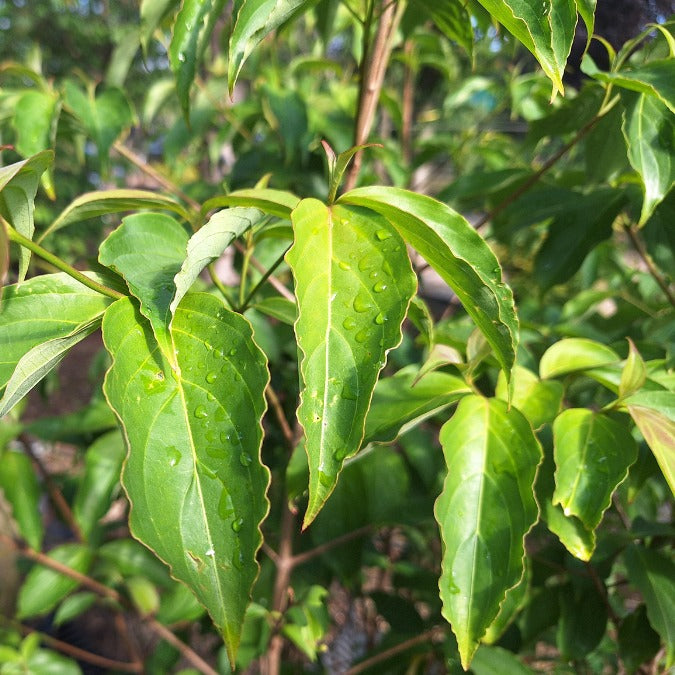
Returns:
<point x="236" y="524"/>
<point x="382" y="235"/>
<point x="379" y="287"/>
<point x="245" y="459"/>
<point x="349" y="323"/>
<point x="200" y="412"/>
<point x="361" y="304"/>
<point x="362" y="335"/>
<point x="380" y="319"/>
<point x="211" y="377"/>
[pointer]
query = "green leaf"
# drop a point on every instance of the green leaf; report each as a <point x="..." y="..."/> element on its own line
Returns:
<point x="191" y="32"/>
<point x="35" y="118"/>
<point x="634" y="373"/>
<point x="546" y="28"/>
<point x="538" y="400"/>
<point x="73" y="606"/>
<point x="4" y="255"/>
<point x="35" y="364"/>
<point x="452" y="19"/>
<point x="143" y="594"/>
<point x="574" y="354"/>
<point x="278" y="308"/>
<point x="583" y="620"/>
<point x="253" y="20"/>
<point x="44" y="588"/>
<point x="497" y="661"/>
<point x="638" y="641"/>
<point x="654" y="414"/>
<point x="653" y="574"/>
<point x="654" y="79"/>
<point x="19" y="484"/>
<point x="129" y="558"/>
<point x="484" y="512"/>
<point x="102" y="467"/>
<point x="208" y="244"/>
<point x="103" y="116"/>
<point x="274" y="202"/>
<point x="649" y="130"/>
<point x="196" y="433"/>
<point x="18" y="187"/>
<point x="399" y="403"/>
<point x="459" y="255"/>
<point x="152" y="12"/>
<point x="515" y="600"/>
<point x="43" y="308"/>
<point x="353" y="282"/>
<point x="592" y="455"/>
<point x="104" y="202"/>
<point x="148" y="249"/>
<point x="307" y="621"/>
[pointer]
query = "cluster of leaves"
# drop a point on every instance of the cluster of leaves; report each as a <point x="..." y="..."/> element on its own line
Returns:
<point x="556" y="460"/>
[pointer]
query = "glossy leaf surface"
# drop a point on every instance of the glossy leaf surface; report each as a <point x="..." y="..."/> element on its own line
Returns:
<point x="102" y="202"/>
<point x="19" y="484"/>
<point x="653" y="573"/>
<point x="18" y="187"/>
<point x="102" y="467"/>
<point x="574" y="354"/>
<point x="649" y="129"/>
<point x="253" y="20"/>
<point x="148" y="249"/>
<point x="40" y="360"/>
<point x="634" y="373"/>
<point x="459" y="255"/>
<point x="191" y="32"/>
<point x="538" y="400"/>
<point x="44" y="588"/>
<point x="275" y="202"/>
<point x="654" y="414"/>
<point x="592" y="456"/>
<point x="353" y="284"/>
<point x="484" y="512"/>
<point x="400" y="403"/>
<point x="43" y="308"/>
<point x="208" y="244"/>
<point x="193" y="474"/>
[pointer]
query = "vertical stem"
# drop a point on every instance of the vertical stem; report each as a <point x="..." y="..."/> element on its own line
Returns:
<point x="408" y="102"/>
<point x="374" y="66"/>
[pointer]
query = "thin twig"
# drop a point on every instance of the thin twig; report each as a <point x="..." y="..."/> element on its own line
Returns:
<point x="278" y="410"/>
<point x="272" y="280"/>
<point x="306" y="556"/>
<point x="160" y="178"/>
<point x="59" y="501"/>
<point x="80" y="654"/>
<point x="641" y="250"/>
<point x="430" y="635"/>
<point x="262" y="280"/>
<point x="186" y="651"/>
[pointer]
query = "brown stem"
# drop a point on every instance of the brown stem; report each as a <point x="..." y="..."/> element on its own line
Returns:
<point x="275" y="404"/>
<point x="304" y="557"/>
<point x="430" y="635"/>
<point x="81" y="654"/>
<point x="160" y="178"/>
<point x="372" y="78"/>
<point x="59" y="501"/>
<point x="602" y="591"/>
<point x="641" y="250"/>
<point x="86" y="581"/>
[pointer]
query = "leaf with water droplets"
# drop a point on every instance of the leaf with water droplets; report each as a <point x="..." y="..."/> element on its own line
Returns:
<point x="592" y="455"/>
<point x="484" y="512"/>
<point x="459" y="255"/>
<point x="193" y="475"/>
<point x="353" y="288"/>
<point x="148" y="249"/>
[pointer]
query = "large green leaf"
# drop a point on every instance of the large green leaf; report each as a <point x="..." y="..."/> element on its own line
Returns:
<point x="575" y="354"/>
<point x="208" y="244"/>
<point x="452" y="18"/>
<point x="43" y="308"/>
<point x="653" y="574"/>
<point x="191" y="32"/>
<point x="353" y="283"/>
<point x="545" y="27"/>
<point x="103" y="202"/>
<point x="102" y="467"/>
<point x="400" y="403"/>
<point x="654" y="414"/>
<point x="484" y="512"/>
<point x="44" y="587"/>
<point x="103" y="115"/>
<point x="148" y="249"/>
<point x="583" y="619"/>
<point x="193" y="474"/>
<point x="253" y="20"/>
<point x="592" y="456"/>
<point x="459" y="255"/>
<point x="18" y="187"/>
<point x="35" y="364"/>
<point x="35" y="117"/>
<point x="649" y="130"/>
<point x="19" y="484"/>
